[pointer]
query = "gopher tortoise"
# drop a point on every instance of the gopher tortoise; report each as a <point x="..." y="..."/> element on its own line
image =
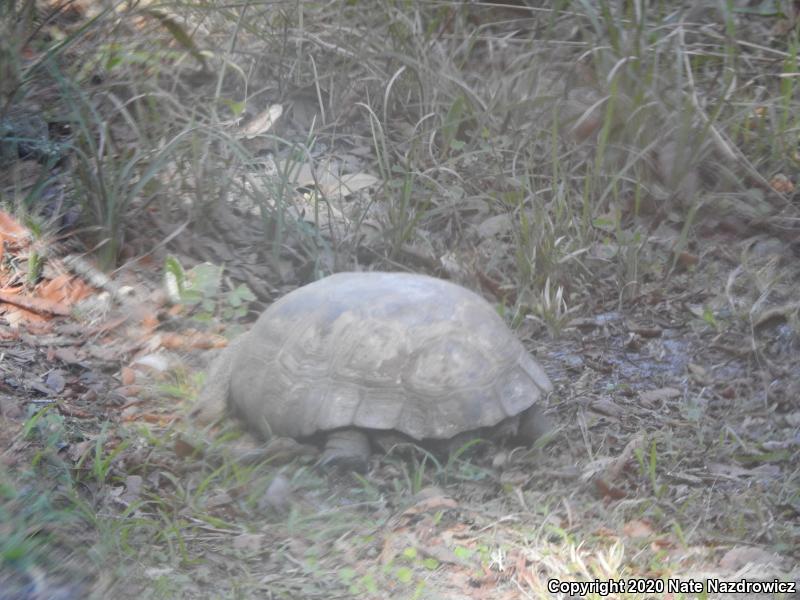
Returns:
<point x="355" y="354"/>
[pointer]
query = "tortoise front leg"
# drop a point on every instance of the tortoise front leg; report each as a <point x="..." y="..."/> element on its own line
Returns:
<point x="533" y="424"/>
<point x="348" y="448"/>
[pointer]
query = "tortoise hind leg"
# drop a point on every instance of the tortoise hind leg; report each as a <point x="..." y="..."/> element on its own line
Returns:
<point x="348" y="448"/>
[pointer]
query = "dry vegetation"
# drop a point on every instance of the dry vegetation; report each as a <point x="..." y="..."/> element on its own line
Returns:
<point x="619" y="177"/>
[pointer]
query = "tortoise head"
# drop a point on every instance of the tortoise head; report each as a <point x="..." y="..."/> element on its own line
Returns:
<point x="212" y="403"/>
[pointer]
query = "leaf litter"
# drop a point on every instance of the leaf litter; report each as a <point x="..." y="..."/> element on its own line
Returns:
<point x="667" y="408"/>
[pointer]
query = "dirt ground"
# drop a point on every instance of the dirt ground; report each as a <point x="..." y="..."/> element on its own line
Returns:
<point x="641" y="241"/>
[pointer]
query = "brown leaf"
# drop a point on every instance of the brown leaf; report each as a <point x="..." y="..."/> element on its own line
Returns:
<point x="263" y="122"/>
<point x="776" y="314"/>
<point x="162" y="420"/>
<point x="346" y="184"/>
<point x="67" y="354"/>
<point x="40" y="306"/>
<point x="64" y="289"/>
<point x="687" y="259"/>
<point x="219" y="499"/>
<point x="127" y="376"/>
<point x="71" y="411"/>
<point x="699" y="374"/>
<point x="11" y="230"/>
<point x="76" y="451"/>
<point x="741" y="556"/>
<point x="653" y="397"/>
<point x="637" y="529"/>
<point x="606" y="406"/>
<point x="615" y="468"/>
<point x="647" y="332"/>
<point x="192" y="340"/>
<point x="430" y="499"/>
<point x="184" y="449"/>
<point x="606" y="490"/>
<point x="129" y="391"/>
<point x="781" y="184"/>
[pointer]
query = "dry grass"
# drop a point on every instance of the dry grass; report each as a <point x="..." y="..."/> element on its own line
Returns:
<point x="607" y="174"/>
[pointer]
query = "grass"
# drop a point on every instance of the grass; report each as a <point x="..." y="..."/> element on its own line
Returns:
<point x="610" y="143"/>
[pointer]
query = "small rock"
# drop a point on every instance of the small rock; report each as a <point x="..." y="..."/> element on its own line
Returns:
<point x="55" y="381"/>
<point x="277" y="496"/>
<point x="500" y="459"/>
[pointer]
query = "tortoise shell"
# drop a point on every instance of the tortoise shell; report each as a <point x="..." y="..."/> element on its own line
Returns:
<point x="381" y="351"/>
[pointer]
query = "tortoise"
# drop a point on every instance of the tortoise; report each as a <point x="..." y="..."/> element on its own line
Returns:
<point x="355" y="354"/>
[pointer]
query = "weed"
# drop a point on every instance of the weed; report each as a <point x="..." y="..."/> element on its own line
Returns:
<point x="200" y="286"/>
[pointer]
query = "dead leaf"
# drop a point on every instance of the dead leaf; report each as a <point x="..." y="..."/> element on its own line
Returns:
<point x="133" y="489"/>
<point x="430" y="499"/>
<point x="736" y="472"/>
<point x="64" y="289"/>
<point x="687" y="259"/>
<point x="161" y="420"/>
<point x="67" y="354"/>
<point x="12" y="230"/>
<point x="776" y="314"/>
<point x="184" y="449"/>
<point x="740" y="556"/>
<point x="219" y="499"/>
<point x="515" y="477"/>
<point x="346" y="185"/>
<point x="71" y="411"/>
<point x="127" y="376"/>
<point x="75" y="452"/>
<point x="646" y="332"/>
<point x="605" y="532"/>
<point x="615" y="468"/>
<point x="40" y="306"/>
<point x="395" y="543"/>
<point x="8" y="334"/>
<point x="654" y="397"/>
<point x="150" y="321"/>
<point x="699" y="374"/>
<point x="326" y="178"/>
<point x="606" y="406"/>
<point x="192" y="340"/>
<point x="606" y="490"/>
<point x="262" y="122"/>
<point x="637" y="529"/>
<point x="129" y="391"/>
<point x="781" y="184"/>
<point x="664" y="543"/>
<point x="155" y="363"/>
<point x="496" y="226"/>
<point x="104" y="353"/>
